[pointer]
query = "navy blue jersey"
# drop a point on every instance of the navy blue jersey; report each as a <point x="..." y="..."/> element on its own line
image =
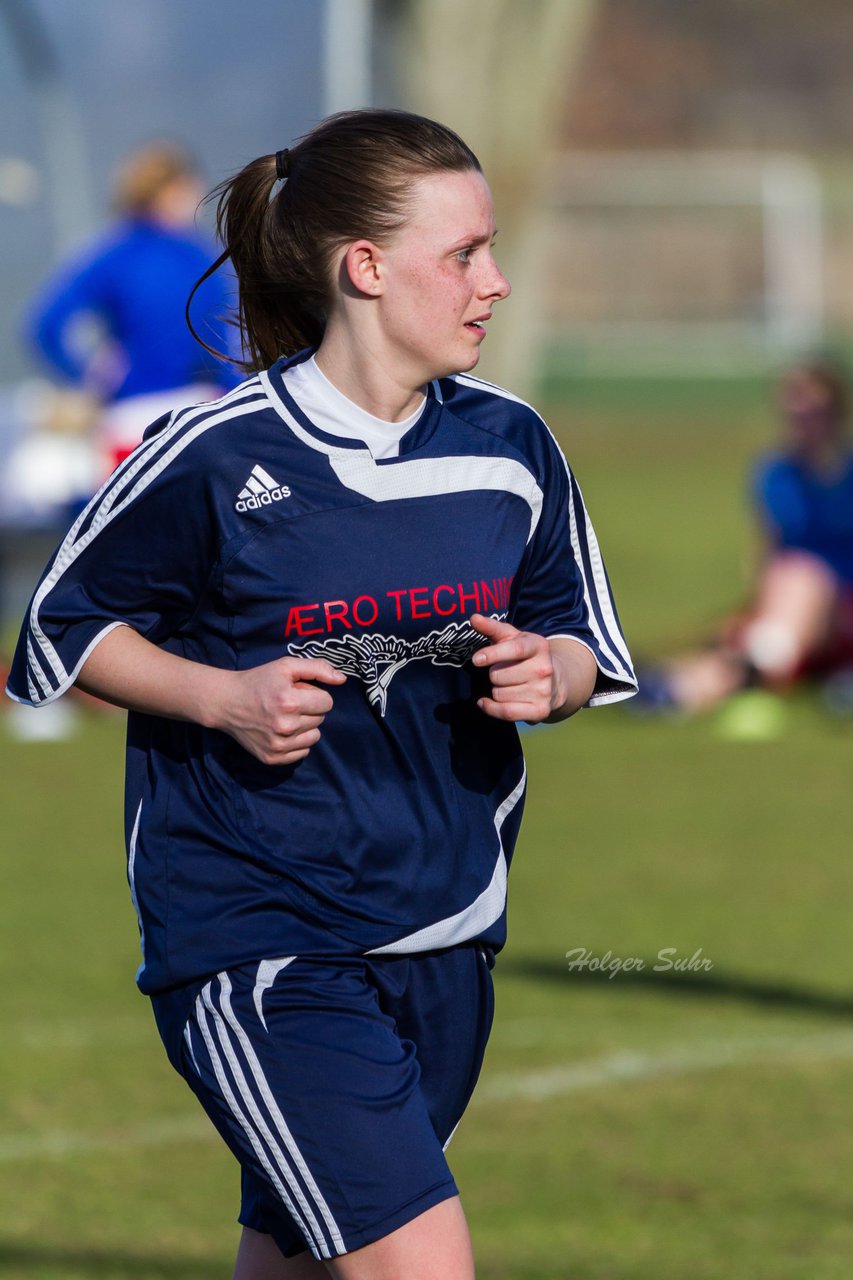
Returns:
<point x="238" y="533"/>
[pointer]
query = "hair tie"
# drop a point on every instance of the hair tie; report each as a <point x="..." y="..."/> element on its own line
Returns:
<point x="282" y="164"/>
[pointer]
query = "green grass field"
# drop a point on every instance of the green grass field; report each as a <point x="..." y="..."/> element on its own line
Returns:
<point x="680" y="1124"/>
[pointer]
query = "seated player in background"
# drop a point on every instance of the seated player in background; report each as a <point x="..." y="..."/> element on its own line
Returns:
<point x="799" y="621"/>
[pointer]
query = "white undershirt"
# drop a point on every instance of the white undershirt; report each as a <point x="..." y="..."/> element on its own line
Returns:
<point x="332" y="411"/>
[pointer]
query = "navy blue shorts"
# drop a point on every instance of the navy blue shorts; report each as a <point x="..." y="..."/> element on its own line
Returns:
<point x="336" y="1082"/>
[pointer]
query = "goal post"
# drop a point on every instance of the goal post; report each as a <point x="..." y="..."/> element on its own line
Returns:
<point x="708" y="261"/>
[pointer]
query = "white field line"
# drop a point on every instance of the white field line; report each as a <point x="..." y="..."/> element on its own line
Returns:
<point x="56" y="1144"/>
<point x="529" y="1086"/>
<point x="77" y="1033"/>
<point x="625" y="1065"/>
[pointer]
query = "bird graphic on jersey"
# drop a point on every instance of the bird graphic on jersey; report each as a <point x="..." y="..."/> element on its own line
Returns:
<point x="375" y="659"/>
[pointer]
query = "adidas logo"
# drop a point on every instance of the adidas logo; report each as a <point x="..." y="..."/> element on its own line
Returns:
<point x="260" y="490"/>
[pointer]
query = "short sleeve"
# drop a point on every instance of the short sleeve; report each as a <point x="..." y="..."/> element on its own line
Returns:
<point x="563" y="589"/>
<point x="140" y="555"/>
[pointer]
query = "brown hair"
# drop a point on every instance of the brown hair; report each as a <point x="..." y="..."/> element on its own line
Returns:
<point x="147" y="171"/>
<point x="830" y="377"/>
<point x="346" y="179"/>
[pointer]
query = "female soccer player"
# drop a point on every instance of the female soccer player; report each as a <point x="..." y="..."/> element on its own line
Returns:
<point x="132" y="283"/>
<point x="326" y="599"/>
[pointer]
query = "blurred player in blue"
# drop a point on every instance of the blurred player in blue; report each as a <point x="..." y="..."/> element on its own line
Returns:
<point x="111" y="321"/>
<point x="327" y="599"/>
<point x="799" y="621"/>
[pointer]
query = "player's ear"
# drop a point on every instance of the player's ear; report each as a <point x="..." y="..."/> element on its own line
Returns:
<point x="363" y="265"/>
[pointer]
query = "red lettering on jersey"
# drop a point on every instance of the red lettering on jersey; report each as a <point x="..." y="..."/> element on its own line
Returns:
<point x="397" y="596"/>
<point x="328" y="616"/>
<point x="491" y="595"/>
<point x="365" y="622"/>
<point x="336" y="611"/>
<point x="422" y="593"/>
<point x="472" y="595"/>
<point x="437" y="607"/>
<point x="295" y="621"/>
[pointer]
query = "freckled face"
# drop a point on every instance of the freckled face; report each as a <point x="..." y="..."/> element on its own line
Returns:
<point x="441" y="279"/>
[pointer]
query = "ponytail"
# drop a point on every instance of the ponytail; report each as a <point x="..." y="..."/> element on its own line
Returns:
<point x="272" y="314"/>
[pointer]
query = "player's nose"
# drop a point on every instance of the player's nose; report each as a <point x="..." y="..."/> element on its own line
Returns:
<point x="495" y="284"/>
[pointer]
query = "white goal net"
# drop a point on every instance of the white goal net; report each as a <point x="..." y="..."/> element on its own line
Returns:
<point x="667" y="261"/>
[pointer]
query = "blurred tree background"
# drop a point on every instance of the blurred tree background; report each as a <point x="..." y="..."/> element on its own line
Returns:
<point x="716" y="73"/>
<point x="672" y="182"/>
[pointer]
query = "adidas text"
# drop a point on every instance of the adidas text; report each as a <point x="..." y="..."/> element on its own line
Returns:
<point x="260" y="490"/>
<point x="264" y="499"/>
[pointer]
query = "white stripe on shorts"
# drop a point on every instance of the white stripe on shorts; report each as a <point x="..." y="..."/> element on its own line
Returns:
<point x="316" y="1242"/>
<point x="276" y="1116"/>
<point x="269" y="1136"/>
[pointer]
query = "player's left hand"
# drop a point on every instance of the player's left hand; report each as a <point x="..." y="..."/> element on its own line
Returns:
<point x="521" y="670"/>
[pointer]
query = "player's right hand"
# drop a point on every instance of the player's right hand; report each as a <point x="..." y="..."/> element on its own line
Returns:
<point x="275" y="711"/>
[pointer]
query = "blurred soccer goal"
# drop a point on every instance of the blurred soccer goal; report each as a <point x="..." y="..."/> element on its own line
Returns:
<point x="684" y="261"/>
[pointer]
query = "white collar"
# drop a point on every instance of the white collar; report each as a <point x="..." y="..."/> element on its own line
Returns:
<point x="333" y="412"/>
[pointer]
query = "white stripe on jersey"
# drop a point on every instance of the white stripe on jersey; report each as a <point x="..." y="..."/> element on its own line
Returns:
<point x="622" y="668"/>
<point x="429" y="477"/>
<point x="603" y="696"/>
<point x="613" y="643"/>
<point x="474" y="919"/>
<point x="246" y="397"/>
<point x="131" y="880"/>
<point x="147" y="449"/>
<point x="121" y="489"/>
<point x="419" y="477"/>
